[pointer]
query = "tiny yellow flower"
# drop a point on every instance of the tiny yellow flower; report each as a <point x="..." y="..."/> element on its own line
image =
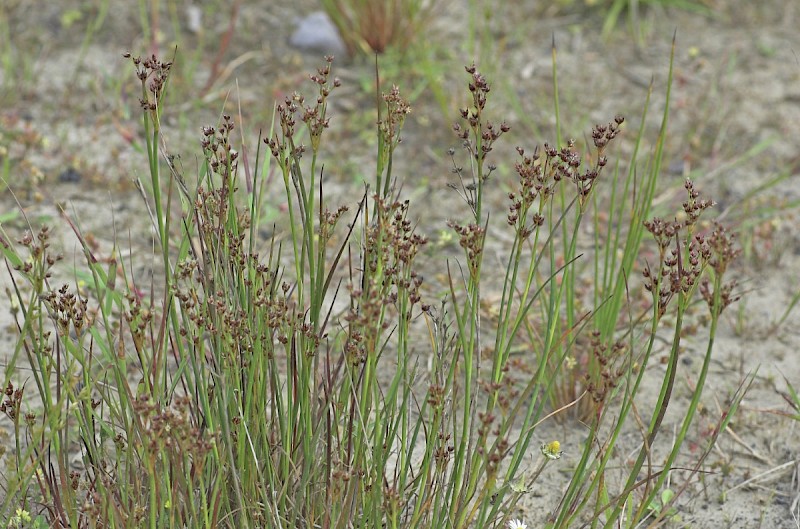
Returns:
<point x="517" y="524"/>
<point x="552" y="450"/>
<point x="445" y="238"/>
<point x="20" y="517"/>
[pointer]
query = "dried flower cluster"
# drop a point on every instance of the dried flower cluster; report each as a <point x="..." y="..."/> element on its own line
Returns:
<point x="40" y="260"/>
<point x="222" y="158"/>
<point x="683" y="254"/>
<point x="471" y="238"/>
<point x="479" y="135"/>
<point x="540" y="172"/>
<point x="391" y="124"/>
<point x="172" y="429"/>
<point x="66" y="308"/>
<point x="12" y="403"/>
<point x="604" y="374"/>
<point x="157" y="72"/>
<point x="723" y="252"/>
<point x="315" y="117"/>
<point x="390" y="246"/>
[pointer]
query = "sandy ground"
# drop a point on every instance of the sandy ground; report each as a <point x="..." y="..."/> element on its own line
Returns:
<point x="736" y="89"/>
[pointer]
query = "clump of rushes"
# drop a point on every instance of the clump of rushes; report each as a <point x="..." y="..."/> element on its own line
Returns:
<point x="687" y="261"/>
<point x="374" y="27"/>
<point x="552" y="182"/>
<point x="239" y="391"/>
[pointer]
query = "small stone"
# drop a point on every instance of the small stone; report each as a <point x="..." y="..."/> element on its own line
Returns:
<point x="317" y="33"/>
<point x="194" y="19"/>
<point x="69" y="176"/>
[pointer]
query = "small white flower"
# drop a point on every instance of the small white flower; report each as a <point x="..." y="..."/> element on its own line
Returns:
<point x="517" y="524"/>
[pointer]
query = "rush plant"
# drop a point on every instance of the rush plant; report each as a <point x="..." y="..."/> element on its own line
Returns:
<point x="372" y="27"/>
<point x="279" y="383"/>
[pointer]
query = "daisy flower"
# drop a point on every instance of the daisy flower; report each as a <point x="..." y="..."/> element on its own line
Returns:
<point x="551" y="450"/>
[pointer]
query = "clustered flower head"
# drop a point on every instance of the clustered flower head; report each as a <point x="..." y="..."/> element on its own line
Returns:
<point x="314" y="116"/>
<point x="397" y="109"/>
<point x="605" y="376"/>
<point x="217" y="148"/>
<point x="723" y="252"/>
<point x="391" y="244"/>
<point x="683" y="255"/>
<point x="471" y="239"/>
<point x="541" y="171"/>
<point x="11" y="405"/>
<point x="157" y="72"/>
<point x="484" y="134"/>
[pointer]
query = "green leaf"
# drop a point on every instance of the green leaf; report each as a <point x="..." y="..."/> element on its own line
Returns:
<point x="666" y="496"/>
